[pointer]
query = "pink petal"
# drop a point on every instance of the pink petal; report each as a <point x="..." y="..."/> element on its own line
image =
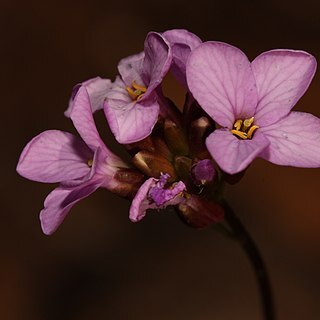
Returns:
<point x="282" y="77"/>
<point x="182" y="42"/>
<point x="157" y="60"/>
<point x="54" y="156"/>
<point x="232" y="154"/>
<point x="82" y="118"/>
<point x="59" y="202"/>
<point x="96" y="88"/>
<point x="131" y="68"/>
<point x="140" y="203"/>
<point x="131" y="121"/>
<point x="220" y="78"/>
<point x="294" y="141"/>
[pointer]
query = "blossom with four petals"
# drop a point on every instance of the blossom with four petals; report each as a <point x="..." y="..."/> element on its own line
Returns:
<point x="251" y="104"/>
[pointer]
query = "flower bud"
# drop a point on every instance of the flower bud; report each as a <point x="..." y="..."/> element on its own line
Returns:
<point x="198" y="132"/>
<point x="128" y="181"/>
<point x="203" y="172"/>
<point x="199" y="212"/>
<point x="153" y="165"/>
<point x="175" y="138"/>
<point x="183" y="166"/>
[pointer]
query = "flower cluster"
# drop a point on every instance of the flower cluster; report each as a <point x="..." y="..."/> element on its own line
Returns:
<point x="235" y="110"/>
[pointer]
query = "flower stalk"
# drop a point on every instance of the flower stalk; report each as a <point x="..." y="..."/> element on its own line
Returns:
<point x="241" y="235"/>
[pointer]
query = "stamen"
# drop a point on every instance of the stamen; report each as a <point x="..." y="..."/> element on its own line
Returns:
<point x="138" y="87"/>
<point x="252" y="130"/>
<point x="138" y="91"/>
<point x="240" y="134"/>
<point x="237" y="125"/>
<point x="90" y="163"/>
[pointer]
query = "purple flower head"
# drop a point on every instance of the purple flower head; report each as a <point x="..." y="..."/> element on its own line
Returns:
<point x="80" y="165"/>
<point x="252" y="102"/>
<point x="182" y="42"/>
<point x="131" y="105"/>
<point x="156" y="194"/>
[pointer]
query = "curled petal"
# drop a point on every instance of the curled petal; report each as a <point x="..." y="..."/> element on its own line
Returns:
<point x="97" y="88"/>
<point x="141" y="203"/>
<point x="82" y="118"/>
<point x="282" y="77"/>
<point x="54" y="156"/>
<point x="59" y="202"/>
<point x="294" y="141"/>
<point x="131" y="68"/>
<point x="157" y="60"/>
<point x="182" y="42"/>
<point x="232" y="154"/>
<point x="220" y="78"/>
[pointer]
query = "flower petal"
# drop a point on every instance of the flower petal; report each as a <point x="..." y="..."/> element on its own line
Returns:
<point x="220" y="78"/>
<point x="97" y="88"/>
<point x="140" y="203"/>
<point x="282" y="77"/>
<point x="131" y="121"/>
<point x="130" y="69"/>
<point x="82" y="118"/>
<point x="182" y="42"/>
<point x="157" y="60"/>
<point x="294" y="141"/>
<point x="59" y="202"/>
<point x="232" y="154"/>
<point x="54" y="156"/>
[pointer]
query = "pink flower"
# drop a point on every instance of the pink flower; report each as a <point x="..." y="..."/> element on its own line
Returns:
<point x="80" y="165"/>
<point x="252" y="102"/>
<point x="131" y="105"/>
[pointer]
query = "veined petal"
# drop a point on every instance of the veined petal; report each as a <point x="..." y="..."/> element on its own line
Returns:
<point x="182" y="42"/>
<point x="182" y="36"/>
<point x="59" y="202"/>
<point x="54" y="156"/>
<point x="97" y="88"/>
<point x="141" y="203"/>
<point x="157" y="60"/>
<point x="282" y="77"/>
<point x="232" y="154"/>
<point x="131" y="121"/>
<point x="294" y="141"/>
<point x="82" y="118"/>
<point x="130" y="69"/>
<point x="220" y="78"/>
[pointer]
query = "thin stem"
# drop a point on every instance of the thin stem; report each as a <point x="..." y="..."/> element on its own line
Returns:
<point x="244" y="238"/>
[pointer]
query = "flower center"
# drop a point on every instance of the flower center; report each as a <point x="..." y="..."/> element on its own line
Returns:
<point x="136" y="91"/>
<point x="244" y="129"/>
<point x="90" y="163"/>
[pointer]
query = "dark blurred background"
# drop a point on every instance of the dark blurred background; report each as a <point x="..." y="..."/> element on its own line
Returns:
<point x="99" y="265"/>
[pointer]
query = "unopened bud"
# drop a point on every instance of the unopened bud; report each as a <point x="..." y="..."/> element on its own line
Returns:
<point x="198" y="132"/>
<point x="183" y="166"/>
<point x="153" y="165"/>
<point x="145" y="144"/>
<point x="200" y="212"/>
<point x="203" y="172"/>
<point x="128" y="181"/>
<point x="175" y="138"/>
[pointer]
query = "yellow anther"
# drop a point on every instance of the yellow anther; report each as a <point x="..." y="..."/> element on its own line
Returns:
<point x="251" y="131"/>
<point x="90" y="163"/>
<point x="237" y="125"/>
<point x="138" y="91"/>
<point x="240" y="134"/>
<point x="136" y="86"/>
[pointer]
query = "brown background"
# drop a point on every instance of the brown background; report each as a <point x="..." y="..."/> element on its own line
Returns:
<point x="101" y="266"/>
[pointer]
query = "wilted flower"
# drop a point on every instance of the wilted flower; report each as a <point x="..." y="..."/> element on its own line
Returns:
<point x="251" y="103"/>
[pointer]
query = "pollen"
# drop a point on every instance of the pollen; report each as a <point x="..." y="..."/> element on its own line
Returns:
<point x="244" y="129"/>
<point x="136" y="91"/>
